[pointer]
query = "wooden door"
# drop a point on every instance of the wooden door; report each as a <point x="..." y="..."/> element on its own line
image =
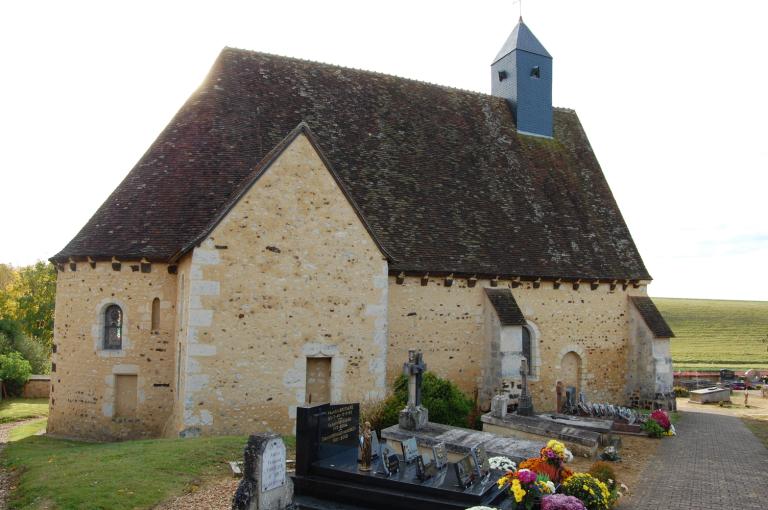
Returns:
<point x="318" y="380"/>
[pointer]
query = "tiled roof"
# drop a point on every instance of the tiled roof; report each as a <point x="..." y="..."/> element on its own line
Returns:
<point x="652" y="317"/>
<point x="523" y="39"/>
<point x="506" y="307"/>
<point x="440" y="174"/>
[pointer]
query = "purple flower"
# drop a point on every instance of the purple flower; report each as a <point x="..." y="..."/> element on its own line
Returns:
<point x="561" y="502"/>
<point x="526" y="476"/>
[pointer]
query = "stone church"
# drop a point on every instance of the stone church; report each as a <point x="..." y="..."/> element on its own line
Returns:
<point x="298" y="226"/>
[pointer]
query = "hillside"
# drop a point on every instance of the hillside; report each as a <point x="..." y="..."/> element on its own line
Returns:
<point x="714" y="334"/>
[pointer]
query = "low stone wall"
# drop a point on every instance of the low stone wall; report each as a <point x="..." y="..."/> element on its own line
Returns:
<point x="38" y="386"/>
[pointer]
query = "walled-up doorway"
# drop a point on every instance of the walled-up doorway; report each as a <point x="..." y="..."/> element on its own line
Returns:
<point x="570" y="370"/>
<point x="318" y="380"/>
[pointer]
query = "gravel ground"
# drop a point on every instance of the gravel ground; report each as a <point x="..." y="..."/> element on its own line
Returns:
<point x="214" y="495"/>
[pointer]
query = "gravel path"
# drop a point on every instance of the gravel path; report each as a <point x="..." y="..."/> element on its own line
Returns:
<point x="715" y="463"/>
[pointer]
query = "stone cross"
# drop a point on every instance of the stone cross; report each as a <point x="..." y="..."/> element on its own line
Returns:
<point x="414" y="369"/>
<point x="525" y="405"/>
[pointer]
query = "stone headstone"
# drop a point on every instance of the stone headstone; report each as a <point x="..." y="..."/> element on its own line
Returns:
<point x="264" y="485"/>
<point x="499" y="405"/>
<point x="414" y="416"/>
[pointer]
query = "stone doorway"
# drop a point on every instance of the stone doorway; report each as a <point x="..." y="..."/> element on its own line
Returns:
<point x="570" y="370"/>
<point x="318" y="380"/>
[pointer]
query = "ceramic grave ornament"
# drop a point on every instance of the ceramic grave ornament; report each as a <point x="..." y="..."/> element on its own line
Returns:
<point x="410" y="450"/>
<point x="440" y="454"/>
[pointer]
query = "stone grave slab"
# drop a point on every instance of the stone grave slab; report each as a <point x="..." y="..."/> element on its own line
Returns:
<point x="460" y="441"/>
<point x="580" y="440"/>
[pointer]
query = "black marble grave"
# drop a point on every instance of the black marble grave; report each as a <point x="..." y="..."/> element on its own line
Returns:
<point x="327" y="469"/>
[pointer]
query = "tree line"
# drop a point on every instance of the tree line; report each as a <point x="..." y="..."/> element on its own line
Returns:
<point x="27" y="301"/>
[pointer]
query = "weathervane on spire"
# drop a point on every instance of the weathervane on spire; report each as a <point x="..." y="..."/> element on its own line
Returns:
<point x="519" y="7"/>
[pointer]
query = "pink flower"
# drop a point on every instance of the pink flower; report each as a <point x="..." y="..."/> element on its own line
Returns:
<point x="526" y="476"/>
<point x="660" y="417"/>
<point x="561" y="502"/>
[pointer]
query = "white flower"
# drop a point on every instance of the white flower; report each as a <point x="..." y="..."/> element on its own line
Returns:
<point x="672" y="430"/>
<point x="502" y="463"/>
<point x="551" y="486"/>
<point x="567" y="456"/>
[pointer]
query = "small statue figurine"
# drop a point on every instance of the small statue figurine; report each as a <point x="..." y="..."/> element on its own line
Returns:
<point x="366" y="452"/>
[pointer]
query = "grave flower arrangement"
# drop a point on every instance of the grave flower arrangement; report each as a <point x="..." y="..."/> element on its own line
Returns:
<point x="502" y="463"/>
<point x="658" y="424"/>
<point x="561" y="502"/>
<point x="527" y="487"/>
<point x="591" y="491"/>
<point x="551" y="462"/>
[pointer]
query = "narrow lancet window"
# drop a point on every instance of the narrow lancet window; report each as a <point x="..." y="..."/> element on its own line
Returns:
<point x="156" y="314"/>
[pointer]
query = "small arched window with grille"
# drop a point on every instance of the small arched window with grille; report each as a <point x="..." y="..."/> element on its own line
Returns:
<point x="527" y="352"/>
<point x="113" y="327"/>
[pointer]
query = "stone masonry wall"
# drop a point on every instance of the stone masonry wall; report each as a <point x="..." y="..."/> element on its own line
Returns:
<point x="447" y="323"/>
<point x="290" y="273"/>
<point x="83" y="373"/>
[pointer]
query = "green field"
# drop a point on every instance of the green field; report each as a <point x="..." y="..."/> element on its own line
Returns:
<point x="714" y="334"/>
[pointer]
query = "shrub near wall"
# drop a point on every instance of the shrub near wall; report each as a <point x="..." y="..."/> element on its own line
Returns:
<point x="446" y="403"/>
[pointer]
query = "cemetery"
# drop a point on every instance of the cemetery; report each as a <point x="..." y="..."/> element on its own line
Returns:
<point x="519" y="460"/>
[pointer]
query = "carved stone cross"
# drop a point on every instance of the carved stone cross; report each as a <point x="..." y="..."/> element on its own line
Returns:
<point x="525" y="402"/>
<point x="414" y="369"/>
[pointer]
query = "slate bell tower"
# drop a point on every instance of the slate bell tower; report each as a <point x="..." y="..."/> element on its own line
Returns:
<point x="522" y="74"/>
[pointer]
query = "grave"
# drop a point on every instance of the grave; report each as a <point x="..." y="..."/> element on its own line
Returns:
<point x="414" y="416"/>
<point x="709" y="395"/>
<point x="328" y="472"/>
<point x="264" y="485"/>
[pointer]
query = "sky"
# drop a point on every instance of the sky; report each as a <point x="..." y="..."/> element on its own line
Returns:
<point x="672" y="95"/>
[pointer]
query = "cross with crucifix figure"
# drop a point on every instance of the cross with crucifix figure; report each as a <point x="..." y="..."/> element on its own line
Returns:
<point x="414" y="370"/>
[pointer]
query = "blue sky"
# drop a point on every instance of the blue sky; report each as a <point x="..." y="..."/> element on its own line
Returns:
<point x="671" y="94"/>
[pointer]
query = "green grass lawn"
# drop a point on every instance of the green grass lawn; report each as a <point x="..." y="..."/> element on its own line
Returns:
<point x="714" y="334"/>
<point x="16" y="409"/>
<point x="29" y="429"/>
<point x="56" y="473"/>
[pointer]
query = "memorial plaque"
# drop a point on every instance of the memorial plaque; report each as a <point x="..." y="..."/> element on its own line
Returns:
<point x="393" y="464"/>
<point x="384" y="454"/>
<point x="464" y="471"/>
<point x="273" y="465"/>
<point x="410" y="450"/>
<point x="425" y="468"/>
<point x="480" y="456"/>
<point x="441" y="455"/>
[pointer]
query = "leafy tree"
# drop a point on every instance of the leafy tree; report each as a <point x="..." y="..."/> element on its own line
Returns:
<point x="35" y="293"/>
<point x="13" y="339"/>
<point x="14" y="371"/>
<point x="444" y="400"/>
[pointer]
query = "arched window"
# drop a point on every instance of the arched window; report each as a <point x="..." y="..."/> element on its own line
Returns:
<point x="527" y="352"/>
<point x="155" y="314"/>
<point x="113" y="327"/>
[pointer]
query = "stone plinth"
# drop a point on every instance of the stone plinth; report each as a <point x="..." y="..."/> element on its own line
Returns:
<point x="414" y="418"/>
